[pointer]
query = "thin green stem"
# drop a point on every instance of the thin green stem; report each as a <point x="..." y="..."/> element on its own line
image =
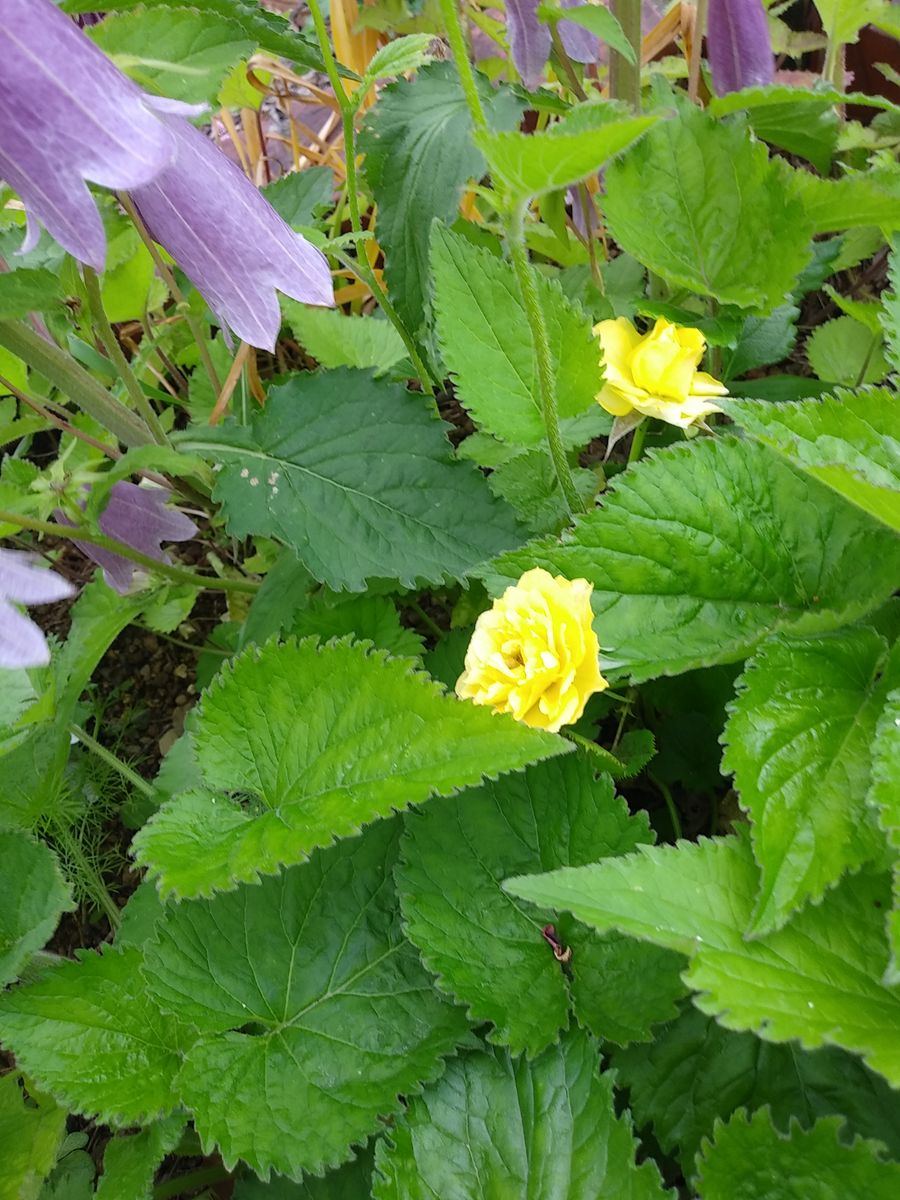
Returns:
<point x="111" y="760"/>
<point x="666" y="794"/>
<point x="833" y="70"/>
<point x="456" y="38"/>
<point x="430" y="624"/>
<point x="637" y="440"/>
<point x="82" y="534"/>
<point x="546" y="379"/>
<point x="107" y="336"/>
<point x="625" y="77"/>
<point x="700" y="20"/>
<point x="566" y="63"/>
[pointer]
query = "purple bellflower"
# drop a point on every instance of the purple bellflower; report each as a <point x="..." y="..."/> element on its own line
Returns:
<point x="738" y="45"/>
<point x="530" y="41"/>
<point x="228" y="240"/>
<point x="139" y="517"/>
<point x="68" y="115"/>
<point x="22" y="644"/>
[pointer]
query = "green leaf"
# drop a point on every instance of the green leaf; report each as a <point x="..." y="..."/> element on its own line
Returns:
<point x="529" y="485"/>
<point x="400" y="55"/>
<point x="844" y="351"/>
<point x="364" y="486"/>
<point x="762" y="341"/>
<point x="701" y="551"/>
<point x="489" y="952"/>
<point x="352" y="1181"/>
<point x="30" y="1133"/>
<point x="699" y="203"/>
<point x="818" y="980"/>
<point x="337" y="340"/>
<point x="749" y="1160"/>
<point x="368" y="618"/>
<point x="32" y="898"/>
<point x="884" y="796"/>
<point x="843" y="19"/>
<point x="325" y="739"/>
<point x="314" y="1012"/>
<point x="798" y="739"/>
<point x="73" y="1176"/>
<point x="419" y="155"/>
<point x="849" y="441"/>
<point x="856" y="200"/>
<point x="130" y="1161"/>
<point x="599" y="21"/>
<point x="180" y="52"/>
<point x="890" y="317"/>
<point x="526" y="165"/>
<point x="28" y="290"/>
<point x="500" y="1126"/>
<point x="485" y="341"/>
<point x="301" y="196"/>
<point x="89" y="1033"/>
<point x="694" y="1071"/>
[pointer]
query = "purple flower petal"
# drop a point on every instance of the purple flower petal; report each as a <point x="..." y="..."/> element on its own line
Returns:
<point x="228" y="239"/>
<point x="22" y="644"/>
<point x="579" y="43"/>
<point x="68" y="115"/>
<point x="139" y="517"/>
<point x="529" y="40"/>
<point x="738" y="45"/>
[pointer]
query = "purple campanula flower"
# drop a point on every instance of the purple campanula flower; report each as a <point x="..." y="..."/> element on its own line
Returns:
<point x="738" y="45"/>
<point x="530" y="41"/>
<point x="228" y="240"/>
<point x="22" y="644"/>
<point x="579" y="43"/>
<point x="139" y="517"/>
<point x="68" y="115"/>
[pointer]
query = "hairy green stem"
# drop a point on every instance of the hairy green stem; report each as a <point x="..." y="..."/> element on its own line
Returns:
<point x="107" y="336"/>
<point x="456" y="38"/>
<point x="546" y="376"/>
<point x="81" y="534"/>
<point x="111" y="760"/>
<point x="625" y="77"/>
<point x="361" y="267"/>
<point x="73" y="381"/>
<point x="833" y="70"/>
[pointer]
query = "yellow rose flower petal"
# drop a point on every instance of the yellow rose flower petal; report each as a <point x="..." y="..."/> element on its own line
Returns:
<point x="656" y="374"/>
<point x="534" y="654"/>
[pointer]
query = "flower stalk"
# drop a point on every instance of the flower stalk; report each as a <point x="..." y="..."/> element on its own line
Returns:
<point x="625" y="77"/>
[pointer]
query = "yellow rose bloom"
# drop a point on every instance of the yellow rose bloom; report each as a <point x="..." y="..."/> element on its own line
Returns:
<point x="534" y="653"/>
<point x="656" y="373"/>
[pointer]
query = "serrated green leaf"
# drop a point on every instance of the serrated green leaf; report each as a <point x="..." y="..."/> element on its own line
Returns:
<point x="762" y="341"/>
<point x="368" y="618"/>
<point x="28" y="290"/>
<point x="130" y="1161"/>
<point x="489" y="952"/>
<point x="403" y="54"/>
<point x="314" y="1012"/>
<point x="694" y="1071"/>
<point x="698" y="202"/>
<point x="701" y="551"/>
<point x="884" y="797"/>
<point x="30" y="1135"/>
<point x="848" y="203"/>
<point x="326" y="739"/>
<point x="749" y="1160"/>
<point x="849" y="441"/>
<point x="302" y="195"/>
<point x="818" y="980"/>
<point x="798" y="744"/>
<point x="364" y="486"/>
<point x="337" y="340"/>
<point x="419" y="155"/>
<point x="352" y="1181"/>
<point x="529" y="485"/>
<point x="890" y="316"/>
<point x="844" y="351"/>
<point x="527" y="165"/>
<point x="182" y="53"/>
<point x="32" y="898"/>
<point x="496" y="1126"/>
<point x="485" y="341"/>
<point x="843" y="19"/>
<point x="89" y="1033"/>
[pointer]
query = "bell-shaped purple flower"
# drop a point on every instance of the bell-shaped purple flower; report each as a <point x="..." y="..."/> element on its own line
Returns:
<point x="529" y="39"/>
<point x="22" y="644"/>
<point x="738" y="45"/>
<point x="228" y="240"/>
<point x="68" y="115"/>
<point x="141" y="518"/>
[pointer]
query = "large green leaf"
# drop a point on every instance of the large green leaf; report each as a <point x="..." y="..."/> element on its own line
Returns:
<point x="749" y="1160"/>
<point x="701" y="551"/>
<point x="497" y="1126"/>
<point x="818" y="980"/>
<point x="358" y="478"/>
<point x="694" y="1071"/>
<point x="884" y="796"/>
<point x="850" y="441"/>
<point x="130" y="1161"/>
<point x="28" y="290"/>
<point x="89" y="1033"/>
<point x="419" y="155"/>
<point x="698" y="202"/>
<point x="323" y="739"/>
<point x="798" y="743"/>
<point x="890" y="316"/>
<point x="32" y="897"/>
<point x="486" y="343"/>
<point x="314" y="1011"/>
<point x="30" y="1134"/>
<point x="337" y="340"/>
<point x="486" y="949"/>
<point x="849" y="203"/>
<point x="198" y="49"/>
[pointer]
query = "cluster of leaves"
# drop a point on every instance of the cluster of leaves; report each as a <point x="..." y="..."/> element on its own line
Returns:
<point x="387" y="943"/>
